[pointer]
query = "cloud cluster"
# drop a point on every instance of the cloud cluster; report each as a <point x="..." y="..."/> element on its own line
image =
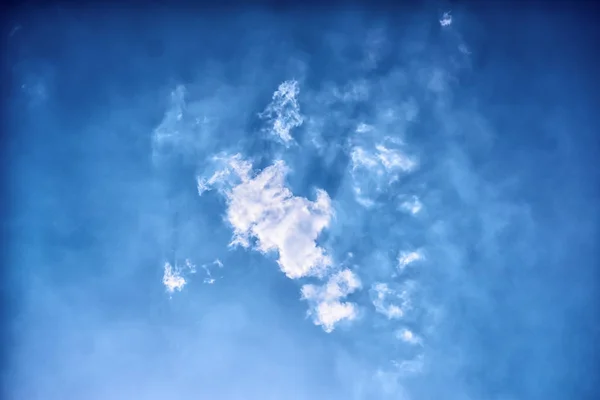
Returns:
<point x="265" y="215"/>
<point x="328" y="309"/>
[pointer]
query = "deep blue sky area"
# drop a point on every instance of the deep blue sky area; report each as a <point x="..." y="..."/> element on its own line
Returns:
<point x="441" y="161"/>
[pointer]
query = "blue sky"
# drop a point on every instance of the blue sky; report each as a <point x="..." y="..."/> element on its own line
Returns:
<point x="340" y="205"/>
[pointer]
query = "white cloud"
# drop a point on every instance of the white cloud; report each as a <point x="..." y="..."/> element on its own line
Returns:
<point x="408" y="336"/>
<point x="413" y="205"/>
<point x="382" y="294"/>
<point x="446" y="19"/>
<point x="408" y="257"/>
<point x="381" y="160"/>
<point x="230" y="171"/>
<point x="363" y="128"/>
<point x="263" y="208"/>
<point x="376" y="168"/>
<point x="327" y="309"/>
<point x="393" y="159"/>
<point x="361" y="198"/>
<point x="284" y="112"/>
<point x="206" y="267"/>
<point x="361" y="158"/>
<point x="172" y="278"/>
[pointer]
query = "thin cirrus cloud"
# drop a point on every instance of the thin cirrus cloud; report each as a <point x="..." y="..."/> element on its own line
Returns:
<point x="283" y="113"/>
<point x="372" y="170"/>
<point x="389" y="302"/>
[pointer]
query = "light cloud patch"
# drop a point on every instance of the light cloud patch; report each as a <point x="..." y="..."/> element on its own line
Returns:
<point x="173" y="278"/>
<point x="263" y="209"/>
<point x="171" y="129"/>
<point x="446" y="19"/>
<point x="210" y="279"/>
<point x="413" y="205"/>
<point x="229" y="171"/>
<point x="283" y="113"/>
<point x="327" y="308"/>
<point x="408" y="257"/>
<point x="408" y="336"/>
<point x="389" y="302"/>
<point x="373" y="170"/>
<point x="381" y="160"/>
<point x="409" y="367"/>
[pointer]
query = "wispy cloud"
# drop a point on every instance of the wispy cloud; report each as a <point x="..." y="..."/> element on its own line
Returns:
<point x="372" y="170"/>
<point x="283" y="113"/>
<point x="413" y="205"/>
<point x="408" y="257"/>
<point x="391" y="303"/>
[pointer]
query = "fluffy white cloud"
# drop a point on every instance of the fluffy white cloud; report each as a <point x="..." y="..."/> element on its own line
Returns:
<point x="173" y="279"/>
<point x="446" y="19"/>
<point x="327" y="308"/>
<point x="283" y="113"/>
<point x="262" y="208"/>
<point x="174" y="276"/>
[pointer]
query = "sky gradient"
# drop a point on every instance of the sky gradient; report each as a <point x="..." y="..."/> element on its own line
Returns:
<point x="382" y="203"/>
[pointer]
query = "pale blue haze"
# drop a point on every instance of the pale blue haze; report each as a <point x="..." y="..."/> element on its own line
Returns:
<point x="115" y="114"/>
